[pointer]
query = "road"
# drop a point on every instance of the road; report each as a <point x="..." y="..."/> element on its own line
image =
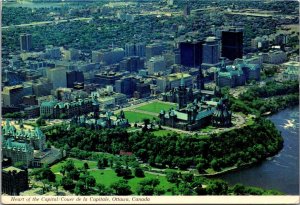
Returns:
<point x="46" y="22"/>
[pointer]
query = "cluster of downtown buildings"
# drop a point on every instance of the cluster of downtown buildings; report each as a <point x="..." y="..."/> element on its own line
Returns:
<point x="36" y="80"/>
<point x="66" y="84"/>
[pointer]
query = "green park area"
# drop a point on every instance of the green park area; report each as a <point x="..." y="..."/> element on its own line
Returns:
<point x="78" y="164"/>
<point x="137" y="117"/>
<point x="108" y="176"/>
<point x="156" y="107"/>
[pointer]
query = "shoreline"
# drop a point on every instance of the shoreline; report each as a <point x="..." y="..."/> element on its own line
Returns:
<point x="243" y="166"/>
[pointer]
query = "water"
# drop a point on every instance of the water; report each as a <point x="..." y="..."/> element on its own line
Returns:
<point x="43" y="4"/>
<point x="280" y="172"/>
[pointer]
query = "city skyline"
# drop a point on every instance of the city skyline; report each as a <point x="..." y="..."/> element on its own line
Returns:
<point x="142" y="98"/>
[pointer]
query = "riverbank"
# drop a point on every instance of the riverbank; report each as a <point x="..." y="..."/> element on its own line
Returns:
<point x="281" y="171"/>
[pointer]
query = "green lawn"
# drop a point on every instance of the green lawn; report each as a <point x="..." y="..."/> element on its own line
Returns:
<point x="78" y="164"/>
<point x="160" y="133"/>
<point x="156" y="107"/>
<point x="164" y="184"/>
<point x="107" y="177"/>
<point x="249" y="121"/>
<point x="137" y="117"/>
<point x="207" y="129"/>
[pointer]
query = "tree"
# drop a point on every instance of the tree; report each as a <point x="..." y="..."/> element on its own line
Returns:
<point x="121" y="188"/>
<point x="86" y="165"/>
<point x="46" y="173"/>
<point x="200" y="167"/>
<point x="62" y="171"/>
<point x="44" y="182"/>
<point x="80" y="188"/>
<point x="119" y="170"/>
<point x="172" y="176"/>
<point x="48" y="144"/>
<point x="145" y="190"/>
<point x="100" y="164"/>
<point x="69" y="166"/>
<point x="74" y="174"/>
<point x="127" y="174"/>
<point x="151" y="182"/>
<point x="90" y="181"/>
<point x="188" y="177"/>
<point x="185" y="189"/>
<point x="105" y="162"/>
<point x="56" y="184"/>
<point x="146" y="123"/>
<point x="111" y="163"/>
<point x="67" y="183"/>
<point x="41" y="121"/>
<point x="239" y="189"/>
<point x="20" y="165"/>
<point x="159" y="191"/>
<point x="103" y="191"/>
<point x="62" y="116"/>
<point x="138" y="172"/>
<point x="197" y="185"/>
<point x="217" y="187"/>
<point x="148" y="187"/>
<point x="215" y="165"/>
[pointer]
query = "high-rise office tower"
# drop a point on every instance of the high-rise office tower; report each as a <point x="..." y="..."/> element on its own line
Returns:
<point x="154" y="49"/>
<point x="191" y="53"/>
<point x="71" y="54"/>
<point x="232" y="44"/>
<point x="58" y="77"/>
<point x="25" y="42"/>
<point x="129" y="49"/>
<point x="126" y="85"/>
<point x="74" y="76"/>
<point x="140" y="49"/>
<point x="210" y="52"/>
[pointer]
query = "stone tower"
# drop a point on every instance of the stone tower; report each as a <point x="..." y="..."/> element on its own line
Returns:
<point x="182" y="94"/>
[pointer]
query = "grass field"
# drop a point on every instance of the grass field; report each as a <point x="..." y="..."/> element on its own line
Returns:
<point x="156" y="107"/>
<point x="160" y="133"/>
<point x="78" y="164"/>
<point x="137" y="117"/>
<point x="207" y="129"/>
<point x="108" y="176"/>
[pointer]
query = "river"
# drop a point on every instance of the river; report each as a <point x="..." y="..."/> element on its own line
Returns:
<point x="280" y="172"/>
<point x="29" y="4"/>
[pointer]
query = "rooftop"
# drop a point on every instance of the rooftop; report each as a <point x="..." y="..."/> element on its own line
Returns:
<point x="11" y="168"/>
<point x="175" y="76"/>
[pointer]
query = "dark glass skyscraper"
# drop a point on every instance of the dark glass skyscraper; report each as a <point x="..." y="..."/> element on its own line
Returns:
<point x="74" y="76"/>
<point x="232" y="44"/>
<point x="25" y="42"/>
<point x="191" y="53"/>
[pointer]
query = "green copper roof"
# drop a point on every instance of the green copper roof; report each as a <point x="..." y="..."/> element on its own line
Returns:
<point x="13" y="145"/>
<point x="205" y="113"/>
<point x="225" y="74"/>
<point x="49" y="103"/>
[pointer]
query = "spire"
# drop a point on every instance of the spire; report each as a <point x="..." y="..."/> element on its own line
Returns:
<point x="223" y="66"/>
<point x="182" y="81"/>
